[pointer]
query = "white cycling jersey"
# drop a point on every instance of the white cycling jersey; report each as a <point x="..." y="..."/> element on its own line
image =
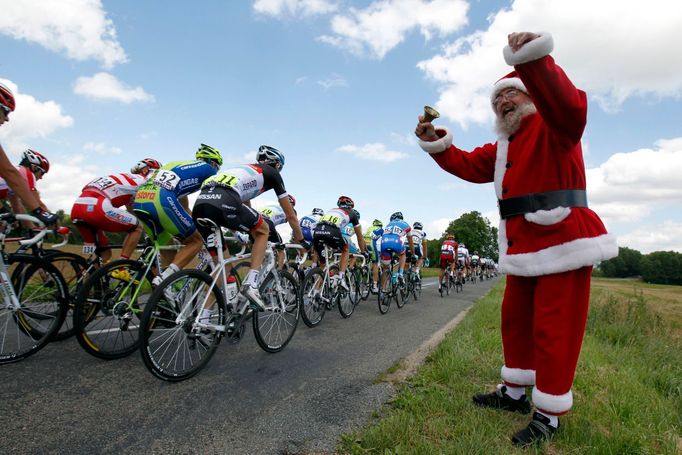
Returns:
<point x="118" y="188"/>
<point x="275" y="213"/>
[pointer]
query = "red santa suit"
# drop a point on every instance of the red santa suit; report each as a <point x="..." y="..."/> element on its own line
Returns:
<point x="547" y="254"/>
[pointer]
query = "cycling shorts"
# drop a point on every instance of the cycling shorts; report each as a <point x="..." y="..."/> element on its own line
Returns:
<point x="94" y="215"/>
<point x="446" y="261"/>
<point x="327" y="234"/>
<point x="225" y="208"/>
<point x="162" y="216"/>
<point x="392" y="242"/>
<point x="418" y="251"/>
<point x="273" y="236"/>
<point x="307" y="234"/>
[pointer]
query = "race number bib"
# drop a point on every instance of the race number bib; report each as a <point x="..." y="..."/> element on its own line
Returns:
<point x="397" y="230"/>
<point x="102" y="183"/>
<point x="331" y="218"/>
<point x="165" y="179"/>
<point x="89" y="248"/>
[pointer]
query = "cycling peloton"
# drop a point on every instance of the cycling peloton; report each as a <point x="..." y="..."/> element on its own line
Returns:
<point x="329" y="231"/>
<point x="463" y="261"/>
<point x="11" y="175"/>
<point x="225" y="199"/>
<point x="393" y="240"/>
<point x="274" y="215"/>
<point x="448" y="258"/>
<point x="162" y="205"/>
<point x="97" y="210"/>
<point x="308" y="224"/>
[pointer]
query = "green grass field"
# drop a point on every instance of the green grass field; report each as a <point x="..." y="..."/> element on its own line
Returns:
<point x="627" y="392"/>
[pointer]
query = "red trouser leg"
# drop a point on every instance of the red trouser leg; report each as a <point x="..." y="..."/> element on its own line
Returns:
<point x="517" y="332"/>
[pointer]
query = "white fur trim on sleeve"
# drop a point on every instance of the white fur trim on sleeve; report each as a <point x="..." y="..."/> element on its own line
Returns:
<point x="438" y="146"/>
<point x="555" y="404"/>
<point x="530" y="51"/>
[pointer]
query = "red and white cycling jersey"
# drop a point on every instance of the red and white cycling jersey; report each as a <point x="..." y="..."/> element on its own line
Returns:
<point x="28" y="176"/>
<point x="120" y="188"/>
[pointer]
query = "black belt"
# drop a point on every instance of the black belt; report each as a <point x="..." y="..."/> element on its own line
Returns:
<point x="541" y="201"/>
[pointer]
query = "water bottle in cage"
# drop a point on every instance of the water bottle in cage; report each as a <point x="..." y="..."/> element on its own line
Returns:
<point x="231" y="293"/>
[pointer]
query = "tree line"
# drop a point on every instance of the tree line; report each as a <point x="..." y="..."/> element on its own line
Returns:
<point x="471" y="229"/>
<point x="660" y="267"/>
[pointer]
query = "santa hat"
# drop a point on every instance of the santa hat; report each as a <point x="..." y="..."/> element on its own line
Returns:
<point x="511" y="80"/>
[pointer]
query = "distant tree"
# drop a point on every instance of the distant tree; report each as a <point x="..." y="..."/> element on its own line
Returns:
<point x="627" y="264"/>
<point x="476" y="233"/>
<point x="662" y="267"/>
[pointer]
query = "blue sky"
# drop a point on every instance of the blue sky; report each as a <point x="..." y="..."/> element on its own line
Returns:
<point x="337" y="86"/>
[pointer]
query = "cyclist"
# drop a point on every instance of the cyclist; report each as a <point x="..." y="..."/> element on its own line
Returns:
<point x="225" y="199"/>
<point x="274" y="215"/>
<point x="308" y="224"/>
<point x="393" y="240"/>
<point x="329" y="231"/>
<point x="463" y="260"/>
<point x="10" y="174"/>
<point x="448" y="254"/>
<point x="475" y="263"/>
<point x="372" y="239"/>
<point x="163" y="207"/>
<point x="348" y="233"/>
<point x="419" y="240"/>
<point x="99" y="209"/>
<point x="32" y="167"/>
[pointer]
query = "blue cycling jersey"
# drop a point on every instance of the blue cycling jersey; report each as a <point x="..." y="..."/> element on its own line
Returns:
<point x="182" y="177"/>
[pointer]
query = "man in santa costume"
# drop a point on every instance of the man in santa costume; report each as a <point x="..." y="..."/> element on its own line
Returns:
<point x="548" y="238"/>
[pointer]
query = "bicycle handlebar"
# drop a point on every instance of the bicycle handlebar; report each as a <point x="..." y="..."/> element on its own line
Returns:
<point x="36" y="238"/>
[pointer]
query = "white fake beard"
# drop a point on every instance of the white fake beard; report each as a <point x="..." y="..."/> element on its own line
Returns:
<point x="510" y="124"/>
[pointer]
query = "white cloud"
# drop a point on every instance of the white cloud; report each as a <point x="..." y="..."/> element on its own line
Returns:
<point x="404" y="139"/>
<point x="630" y="57"/>
<point x="384" y="24"/>
<point x="101" y="149"/>
<point x="333" y="81"/>
<point x="31" y="119"/>
<point x="434" y="229"/>
<point x="666" y="236"/>
<point x="630" y="186"/>
<point x="104" y="86"/>
<point x="77" y="28"/>
<point x="293" y="8"/>
<point x="373" y="152"/>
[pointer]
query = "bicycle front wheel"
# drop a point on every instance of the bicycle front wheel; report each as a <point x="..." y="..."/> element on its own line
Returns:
<point x="274" y="327"/>
<point x="350" y="298"/>
<point x="109" y="308"/>
<point x="30" y="322"/>
<point x="417" y="288"/>
<point x="314" y="296"/>
<point x="364" y="283"/>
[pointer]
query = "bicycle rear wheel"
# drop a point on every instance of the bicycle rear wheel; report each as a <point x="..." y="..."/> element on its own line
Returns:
<point x="402" y="294"/>
<point x="416" y="286"/>
<point x="364" y="282"/>
<point x="172" y="345"/>
<point x="72" y="268"/>
<point x="314" y="294"/>
<point x="274" y="327"/>
<point x="25" y="328"/>
<point x="385" y="291"/>
<point x="350" y="298"/>
<point x="108" y="310"/>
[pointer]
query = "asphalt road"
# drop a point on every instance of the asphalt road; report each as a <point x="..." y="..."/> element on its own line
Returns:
<point x="245" y="401"/>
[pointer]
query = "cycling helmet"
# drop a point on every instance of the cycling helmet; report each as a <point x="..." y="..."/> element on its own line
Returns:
<point x="418" y="225"/>
<point x="451" y="237"/>
<point x="7" y="99"/>
<point x="318" y="212"/>
<point x="462" y="245"/>
<point x="476" y="253"/>
<point x="292" y="200"/>
<point x="397" y="216"/>
<point x="206" y="152"/>
<point x="377" y="223"/>
<point x="345" y="202"/>
<point x="145" y="166"/>
<point x="270" y="155"/>
<point x="34" y="160"/>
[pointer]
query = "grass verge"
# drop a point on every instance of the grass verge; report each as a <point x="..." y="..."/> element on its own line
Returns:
<point x="627" y="393"/>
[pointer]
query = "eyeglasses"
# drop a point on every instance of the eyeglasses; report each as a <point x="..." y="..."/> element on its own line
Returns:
<point x="5" y="109"/>
<point x="509" y="94"/>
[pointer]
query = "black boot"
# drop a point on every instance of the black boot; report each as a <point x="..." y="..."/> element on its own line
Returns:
<point x="538" y="430"/>
<point x="500" y="400"/>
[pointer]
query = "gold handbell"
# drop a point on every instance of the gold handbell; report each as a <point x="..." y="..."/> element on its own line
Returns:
<point x="430" y="114"/>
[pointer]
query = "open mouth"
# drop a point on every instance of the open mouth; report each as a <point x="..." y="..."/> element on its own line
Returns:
<point x="508" y="110"/>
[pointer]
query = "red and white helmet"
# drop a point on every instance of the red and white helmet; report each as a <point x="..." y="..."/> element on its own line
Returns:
<point x="33" y="159"/>
<point x="7" y="98"/>
<point x="345" y="202"/>
<point x="145" y="166"/>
